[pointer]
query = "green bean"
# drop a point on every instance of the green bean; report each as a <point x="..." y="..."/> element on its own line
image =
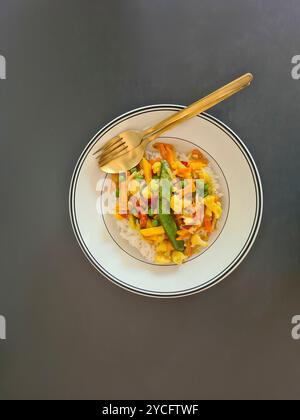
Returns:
<point x="167" y="220"/>
<point x="169" y="224"/>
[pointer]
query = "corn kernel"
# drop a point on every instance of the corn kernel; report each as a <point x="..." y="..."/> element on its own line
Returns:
<point x="156" y="167"/>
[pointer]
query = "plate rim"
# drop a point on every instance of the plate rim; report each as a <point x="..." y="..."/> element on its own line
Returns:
<point x="248" y="244"/>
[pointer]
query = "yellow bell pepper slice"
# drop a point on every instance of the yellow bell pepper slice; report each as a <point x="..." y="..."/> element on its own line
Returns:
<point x="147" y="168"/>
<point x="153" y="231"/>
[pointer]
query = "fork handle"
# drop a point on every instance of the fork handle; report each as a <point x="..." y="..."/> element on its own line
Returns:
<point x="197" y="107"/>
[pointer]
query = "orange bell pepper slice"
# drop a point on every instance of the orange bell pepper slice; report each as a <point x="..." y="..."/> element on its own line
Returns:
<point x="167" y="152"/>
<point x="197" y="155"/>
<point x="184" y="172"/>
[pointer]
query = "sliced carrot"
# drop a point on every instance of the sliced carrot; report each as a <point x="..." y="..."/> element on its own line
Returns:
<point x="188" y="249"/>
<point x="170" y="155"/>
<point x="214" y="221"/>
<point x="183" y="233"/>
<point x="162" y="150"/>
<point x="180" y="238"/>
<point x="143" y="221"/>
<point x="208" y="224"/>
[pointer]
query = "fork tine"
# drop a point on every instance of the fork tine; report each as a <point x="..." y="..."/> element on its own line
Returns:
<point x="112" y="156"/>
<point x="119" y="145"/>
<point x="108" y="144"/>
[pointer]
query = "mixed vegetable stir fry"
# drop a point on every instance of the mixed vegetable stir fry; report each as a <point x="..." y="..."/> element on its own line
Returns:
<point x="178" y="224"/>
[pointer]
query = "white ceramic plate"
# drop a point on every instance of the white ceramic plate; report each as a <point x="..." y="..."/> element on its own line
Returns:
<point x="242" y="208"/>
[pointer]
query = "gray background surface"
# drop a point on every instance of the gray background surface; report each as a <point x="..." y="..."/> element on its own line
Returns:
<point x="72" y="66"/>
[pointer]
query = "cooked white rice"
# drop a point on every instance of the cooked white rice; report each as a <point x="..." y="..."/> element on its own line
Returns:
<point x="135" y="240"/>
<point x="214" y="180"/>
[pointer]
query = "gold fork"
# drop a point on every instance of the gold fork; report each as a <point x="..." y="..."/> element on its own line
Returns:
<point x="127" y="149"/>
